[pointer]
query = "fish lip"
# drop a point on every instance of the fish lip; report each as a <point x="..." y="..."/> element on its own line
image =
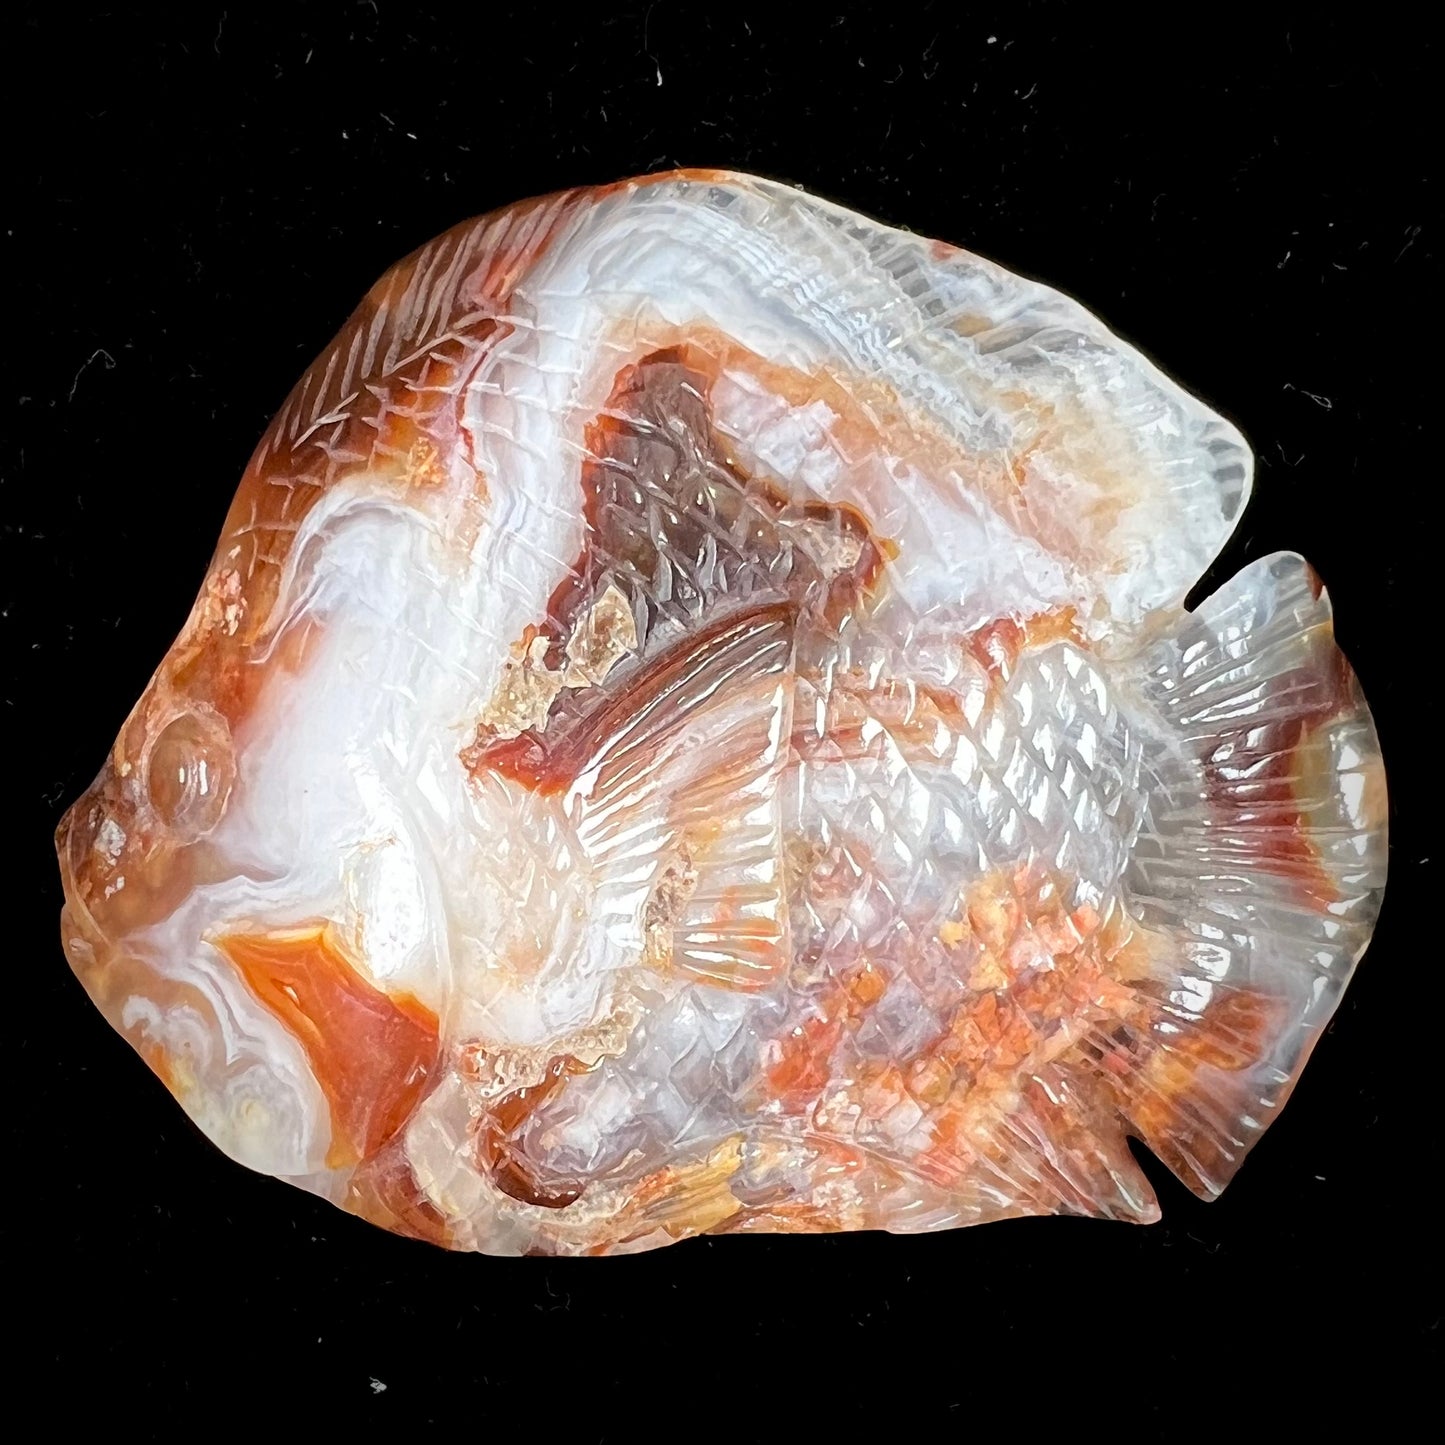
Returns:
<point x="82" y="814"/>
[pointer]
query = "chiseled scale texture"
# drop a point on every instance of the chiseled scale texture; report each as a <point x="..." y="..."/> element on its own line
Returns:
<point x="692" y="725"/>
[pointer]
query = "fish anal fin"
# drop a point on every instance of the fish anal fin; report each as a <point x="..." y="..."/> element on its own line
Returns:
<point x="1047" y="1140"/>
<point x="1192" y="1088"/>
<point x="1080" y="1159"/>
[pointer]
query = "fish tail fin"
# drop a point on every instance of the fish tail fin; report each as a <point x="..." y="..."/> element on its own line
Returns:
<point x="1259" y="868"/>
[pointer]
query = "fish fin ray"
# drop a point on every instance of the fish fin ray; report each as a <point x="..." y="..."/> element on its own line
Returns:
<point x="682" y="799"/>
<point x="1259" y="868"/>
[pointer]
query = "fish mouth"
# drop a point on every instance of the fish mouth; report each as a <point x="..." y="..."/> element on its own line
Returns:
<point x="125" y="846"/>
<point x="124" y="878"/>
<point x="80" y="850"/>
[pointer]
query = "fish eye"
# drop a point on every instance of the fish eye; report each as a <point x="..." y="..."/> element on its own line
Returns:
<point x="189" y="773"/>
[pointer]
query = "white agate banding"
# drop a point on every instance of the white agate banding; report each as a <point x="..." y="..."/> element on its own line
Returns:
<point x="692" y="725"/>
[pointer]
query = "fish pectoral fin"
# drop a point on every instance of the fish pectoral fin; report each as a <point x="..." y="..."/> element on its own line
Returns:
<point x="732" y="929"/>
<point x="684" y="792"/>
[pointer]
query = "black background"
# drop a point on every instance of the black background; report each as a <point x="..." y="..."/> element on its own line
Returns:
<point x="194" y="206"/>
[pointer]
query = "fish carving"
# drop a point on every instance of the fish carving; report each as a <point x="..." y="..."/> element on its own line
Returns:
<point x="692" y="725"/>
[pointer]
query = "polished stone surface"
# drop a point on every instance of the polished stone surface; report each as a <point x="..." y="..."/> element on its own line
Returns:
<point x="691" y="725"/>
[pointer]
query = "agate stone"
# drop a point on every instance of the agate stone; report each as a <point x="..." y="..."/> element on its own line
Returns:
<point x="692" y="725"/>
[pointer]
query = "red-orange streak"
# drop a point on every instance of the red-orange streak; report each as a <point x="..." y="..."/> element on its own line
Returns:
<point x="371" y="1052"/>
<point x="499" y="1151"/>
<point x="804" y="1065"/>
<point x="1281" y="843"/>
<point x="550" y="762"/>
<point x="996" y="646"/>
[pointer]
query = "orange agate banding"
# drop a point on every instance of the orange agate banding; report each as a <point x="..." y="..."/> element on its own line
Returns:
<point x="372" y="1053"/>
<point x="691" y="724"/>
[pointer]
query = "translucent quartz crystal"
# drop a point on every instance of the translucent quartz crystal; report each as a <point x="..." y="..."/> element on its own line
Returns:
<point x="692" y="725"/>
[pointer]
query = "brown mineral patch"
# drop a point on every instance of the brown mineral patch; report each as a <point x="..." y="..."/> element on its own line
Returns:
<point x="498" y="1150"/>
<point x="524" y="694"/>
<point x="508" y="1086"/>
<point x="605" y="635"/>
<point x="663" y="498"/>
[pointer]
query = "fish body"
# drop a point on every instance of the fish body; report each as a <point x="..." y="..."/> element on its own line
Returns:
<point x="692" y="725"/>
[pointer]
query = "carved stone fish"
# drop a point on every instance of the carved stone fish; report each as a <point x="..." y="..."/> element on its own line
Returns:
<point x="692" y="725"/>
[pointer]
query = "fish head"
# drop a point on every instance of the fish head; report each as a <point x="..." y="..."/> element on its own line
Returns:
<point x="129" y="845"/>
<point x="175" y="862"/>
